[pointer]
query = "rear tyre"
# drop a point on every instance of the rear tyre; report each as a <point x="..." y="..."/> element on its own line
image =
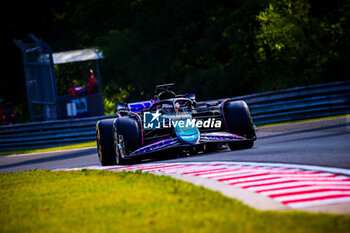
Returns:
<point x="239" y="121"/>
<point x="105" y="143"/>
<point x="126" y="139"/>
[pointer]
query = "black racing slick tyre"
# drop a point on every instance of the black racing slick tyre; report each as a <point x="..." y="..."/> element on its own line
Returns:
<point x="105" y="142"/>
<point x="126" y="138"/>
<point x="239" y="121"/>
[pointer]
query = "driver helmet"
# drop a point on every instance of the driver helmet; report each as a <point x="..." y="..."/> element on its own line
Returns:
<point x="177" y="107"/>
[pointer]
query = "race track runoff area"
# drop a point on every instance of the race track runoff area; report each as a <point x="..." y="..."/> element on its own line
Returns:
<point x="303" y="166"/>
<point x="285" y="187"/>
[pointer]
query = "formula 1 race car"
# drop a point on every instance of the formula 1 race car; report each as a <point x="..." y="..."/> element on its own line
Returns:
<point x="172" y="123"/>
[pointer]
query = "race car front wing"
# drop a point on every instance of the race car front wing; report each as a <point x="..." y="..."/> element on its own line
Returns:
<point x="219" y="137"/>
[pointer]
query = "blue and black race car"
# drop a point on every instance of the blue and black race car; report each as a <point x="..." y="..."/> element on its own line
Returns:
<point x="172" y="123"/>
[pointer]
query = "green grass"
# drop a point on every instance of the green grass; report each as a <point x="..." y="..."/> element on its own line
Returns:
<point x="102" y="201"/>
<point x="57" y="148"/>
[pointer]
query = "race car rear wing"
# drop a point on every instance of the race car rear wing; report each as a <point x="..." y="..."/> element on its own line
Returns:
<point x="134" y="107"/>
<point x="144" y="105"/>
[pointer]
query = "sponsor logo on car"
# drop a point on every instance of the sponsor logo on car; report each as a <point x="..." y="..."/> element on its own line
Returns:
<point x="156" y="120"/>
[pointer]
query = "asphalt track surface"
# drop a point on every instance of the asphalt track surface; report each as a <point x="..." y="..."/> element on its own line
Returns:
<point x="322" y="143"/>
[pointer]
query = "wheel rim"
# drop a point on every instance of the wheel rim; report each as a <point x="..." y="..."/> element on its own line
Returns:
<point x="117" y="156"/>
<point x="99" y="148"/>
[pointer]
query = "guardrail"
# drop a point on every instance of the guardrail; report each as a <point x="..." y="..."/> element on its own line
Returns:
<point x="299" y="103"/>
<point x="48" y="133"/>
<point x="269" y="107"/>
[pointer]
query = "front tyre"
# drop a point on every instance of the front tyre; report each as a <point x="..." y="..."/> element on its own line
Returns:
<point x="105" y="142"/>
<point x="127" y="138"/>
<point x="239" y="121"/>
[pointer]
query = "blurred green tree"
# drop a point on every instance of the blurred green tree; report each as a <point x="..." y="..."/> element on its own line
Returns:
<point x="299" y="39"/>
